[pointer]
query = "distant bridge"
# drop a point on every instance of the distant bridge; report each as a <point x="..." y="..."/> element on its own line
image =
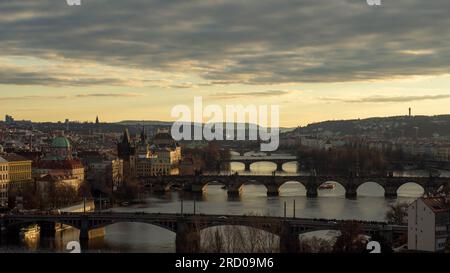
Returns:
<point x="279" y="160"/>
<point x="234" y="183"/>
<point x="188" y="227"/>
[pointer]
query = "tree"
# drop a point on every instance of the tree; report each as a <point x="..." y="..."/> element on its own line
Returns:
<point x="447" y="245"/>
<point x="315" y="245"/>
<point x="351" y="238"/>
<point x="254" y="238"/>
<point x="397" y="214"/>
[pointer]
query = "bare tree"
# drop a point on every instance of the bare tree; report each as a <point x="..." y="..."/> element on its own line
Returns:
<point x="397" y="213"/>
<point x="351" y="238"/>
<point x="255" y="238"/>
<point x="315" y="245"/>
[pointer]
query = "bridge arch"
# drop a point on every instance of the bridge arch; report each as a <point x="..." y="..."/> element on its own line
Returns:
<point x="410" y="189"/>
<point x="290" y="162"/>
<point x="339" y="189"/>
<point x="370" y="188"/>
<point x="240" y="238"/>
<point x="253" y="187"/>
<point x="213" y="182"/>
<point x="254" y="164"/>
<point x="237" y="165"/>
<point x="292" y="188"/>
<point x="166" y="225"/>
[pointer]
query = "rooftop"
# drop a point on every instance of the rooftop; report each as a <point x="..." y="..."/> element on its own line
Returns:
<point x="60" y="142"/>
<point x="14" y="158"/>
<point x="437" y="203"/>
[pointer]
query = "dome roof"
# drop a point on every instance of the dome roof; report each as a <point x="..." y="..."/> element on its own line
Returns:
<point x="61" y="142"/>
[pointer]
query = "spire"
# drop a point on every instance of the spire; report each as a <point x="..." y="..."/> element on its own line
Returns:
<point x="126" y="136"/>
<point x="96" y="120"/>
<point x="143" y="135"/>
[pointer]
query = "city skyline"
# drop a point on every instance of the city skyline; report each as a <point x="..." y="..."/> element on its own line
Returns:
<point x="316" y="59"/>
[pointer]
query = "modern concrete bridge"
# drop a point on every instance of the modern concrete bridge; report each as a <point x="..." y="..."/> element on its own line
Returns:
<point x="234" y="183"/>
<point x="188" y="226"/>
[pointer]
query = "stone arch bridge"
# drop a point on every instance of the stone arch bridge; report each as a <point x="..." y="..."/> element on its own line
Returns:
<point x="279" y="160"/>
<point x="188" y="226"/>
<point x="234" y="183"/>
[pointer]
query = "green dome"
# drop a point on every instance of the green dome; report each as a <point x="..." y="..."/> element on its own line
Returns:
<point x="61" y="142"/>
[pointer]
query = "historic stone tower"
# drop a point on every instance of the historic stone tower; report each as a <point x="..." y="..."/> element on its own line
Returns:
<point x="127" y="152"/>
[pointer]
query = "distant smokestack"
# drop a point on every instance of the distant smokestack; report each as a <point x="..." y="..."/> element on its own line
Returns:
<point x="409" y="111"/>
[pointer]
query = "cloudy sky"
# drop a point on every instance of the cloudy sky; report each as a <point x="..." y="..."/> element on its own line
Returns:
<point x="136" y="59"/>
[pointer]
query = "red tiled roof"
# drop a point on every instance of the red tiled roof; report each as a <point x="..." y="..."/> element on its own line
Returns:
<point x="14" y="158"/>
<point x="437" y="204"/>
<point x="58" y="164"/>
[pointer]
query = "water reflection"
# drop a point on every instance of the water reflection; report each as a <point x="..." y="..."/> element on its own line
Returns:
<point x="136" y="237"/>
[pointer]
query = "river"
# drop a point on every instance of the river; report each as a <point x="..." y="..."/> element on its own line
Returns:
<point x="135" y="237"/>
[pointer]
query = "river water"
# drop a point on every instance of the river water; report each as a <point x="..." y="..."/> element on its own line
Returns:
<point x="136" y="237"/>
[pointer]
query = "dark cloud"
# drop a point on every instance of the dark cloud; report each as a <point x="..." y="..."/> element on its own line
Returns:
<point x="103" y="95"/>
<point x="381" y="99"/>
<point x="50" y="78"/>
<point x="234" y="41"/>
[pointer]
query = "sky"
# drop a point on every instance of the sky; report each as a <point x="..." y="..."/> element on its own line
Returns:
<point x="137" y="59"/>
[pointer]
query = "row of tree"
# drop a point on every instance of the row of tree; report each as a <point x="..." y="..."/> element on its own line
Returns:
<point x="210" y="158"/>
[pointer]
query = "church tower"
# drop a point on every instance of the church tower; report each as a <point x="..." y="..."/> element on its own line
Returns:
<point x="127" y="152"/>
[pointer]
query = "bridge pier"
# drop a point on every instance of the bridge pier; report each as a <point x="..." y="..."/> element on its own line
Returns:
<point x="272" y="190"/>
<point x="311" y="187"/>
<point x="47" y="229"/>
<point x="13" y="233"/>
<point x="247" y="166"/>
<point x="350" y="193"/>
<point x="234" y="192"/>
<point x="197" y="189"/>
<point x="390" y="195"/>
<point x="280" y="167"/>
<point x="289" y="242"/>
<point x="84" y="230"/>
<point x="187" y="238"/>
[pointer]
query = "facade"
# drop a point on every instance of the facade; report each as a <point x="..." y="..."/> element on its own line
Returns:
<point x="429" y="223"/>
<point x="4" y="180"/>
<point x="108" y="171"/>
<point x="19" y="170"/>
<point x="166" y="154"/>
<point x="162" y="157"/>
<point x="65" y="168"/>
<point x="126" y="151"/>
<point x="144" y="166"/>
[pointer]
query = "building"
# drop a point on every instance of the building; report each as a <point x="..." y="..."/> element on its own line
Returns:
<point x="45" y="184"/>
<point x="429" y="223"/>
<point x="59" y="166"/>
<point x="60" y="149"/>
<point x="126" y="150"/>
<point x="19" y="170"/>
<point x="4" y="180"/>
<point x="166" y="154"/>
<point x="105" y="172"/>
